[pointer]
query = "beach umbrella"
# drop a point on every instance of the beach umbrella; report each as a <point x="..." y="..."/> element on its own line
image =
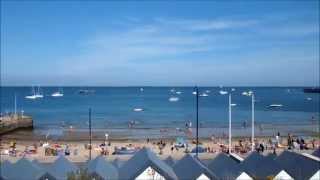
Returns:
<point x="190" y="167"/>
<point x="61" y="167"/>
<point x="101" y="168"/>
<point x="145" y="164"/>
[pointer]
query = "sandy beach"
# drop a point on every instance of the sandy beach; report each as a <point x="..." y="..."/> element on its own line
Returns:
<point x="79" y="153"/>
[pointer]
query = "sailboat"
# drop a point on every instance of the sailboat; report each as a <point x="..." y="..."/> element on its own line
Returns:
<point x="33" y="96"/>
<point x="57" y="94"/>
<point x="38" y="94"/>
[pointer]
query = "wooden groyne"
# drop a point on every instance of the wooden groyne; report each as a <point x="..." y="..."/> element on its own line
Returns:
<point x="13" y="122"/>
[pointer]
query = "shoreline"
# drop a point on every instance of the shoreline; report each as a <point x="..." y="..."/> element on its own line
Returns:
<point x="123" y="134"/>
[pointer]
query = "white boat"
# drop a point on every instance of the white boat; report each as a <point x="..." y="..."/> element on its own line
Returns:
<point x="223" y="92"/>
<point x="137" y="109"/>
<point x="38" y="94"/>
<point x="173" y="99"/>
<point x="178" y="92"/>
<point x="33" y="96"/>
<point x="194" y="93"/>
<point x="275" y="105"/>
<point x="203" y="95"/>
<point x="57" y="94"/>
<point x="250" y="93"/>
<point x="245" y="93"/>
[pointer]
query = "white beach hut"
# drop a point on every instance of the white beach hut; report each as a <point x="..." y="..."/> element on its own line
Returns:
<point x="102" y="169"/>
<point x="146" y="165"/>
<point x="316" y="176"/>
<point x="282" y="175"/>
<point x="61" y="167"/>
<point x="190" y="167"/>
<point x="244" y="176"/>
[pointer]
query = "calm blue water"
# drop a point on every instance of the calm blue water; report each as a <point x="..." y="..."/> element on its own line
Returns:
<point x="113" y="106"/>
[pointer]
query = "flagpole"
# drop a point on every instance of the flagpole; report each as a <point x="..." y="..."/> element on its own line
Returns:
<point x="252" y="130"/>
<point x="229" y="123"/>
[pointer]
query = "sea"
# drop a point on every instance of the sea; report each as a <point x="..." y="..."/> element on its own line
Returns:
<point x="151" y="107"/>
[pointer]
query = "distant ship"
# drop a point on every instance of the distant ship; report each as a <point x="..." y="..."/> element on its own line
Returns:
<point x="311" y="90"/>
<point x="86" y="91"/>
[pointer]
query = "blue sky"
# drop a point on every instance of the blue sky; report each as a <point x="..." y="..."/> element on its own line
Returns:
<point x="160" y="43"/>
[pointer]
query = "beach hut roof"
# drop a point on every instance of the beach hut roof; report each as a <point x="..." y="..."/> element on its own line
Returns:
<point x="244" y="176"/>
<point x="200" y="150"/>
<point x="4" y="168"/>
<point x="224" y="166"/>
<point x="26" y="168"/>
<point x="61" y="167"/>
<point x="143" y="159"/>
<point x="282" y="175"/>
<point x="103" y="168"/>
<point x="190" y="167"/>
<point x="316" y="152"/>
<point x="170" y="161"/>
<point x="297" y="165"/>
<point x="260" y="166"/>
<point x="118" y="163"/>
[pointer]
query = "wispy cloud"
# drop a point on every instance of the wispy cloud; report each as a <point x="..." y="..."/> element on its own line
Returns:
<point x="163" y="46"/>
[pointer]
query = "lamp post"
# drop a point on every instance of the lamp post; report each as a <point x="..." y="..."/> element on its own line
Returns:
<point x="230" y="123"/>
<point x="252" y="119"/>
<point x="90" y="134"/>
<point x="197" y="117"/>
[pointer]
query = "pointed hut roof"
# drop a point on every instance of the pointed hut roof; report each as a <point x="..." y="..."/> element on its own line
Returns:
<point x="190" y="167"/>
<point x="61" y="167"/>
<point x="259" y="166"/>
<point x="25" y="168"/>
<point x="118" y="163"/>
<point x="170" y="161"/>
<point x="225" y="167"/>
<point x="297" y="165"/>
<point x="143" y="159"/>
<point x="316" y="152"/>
<point x="103" y="168"/>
